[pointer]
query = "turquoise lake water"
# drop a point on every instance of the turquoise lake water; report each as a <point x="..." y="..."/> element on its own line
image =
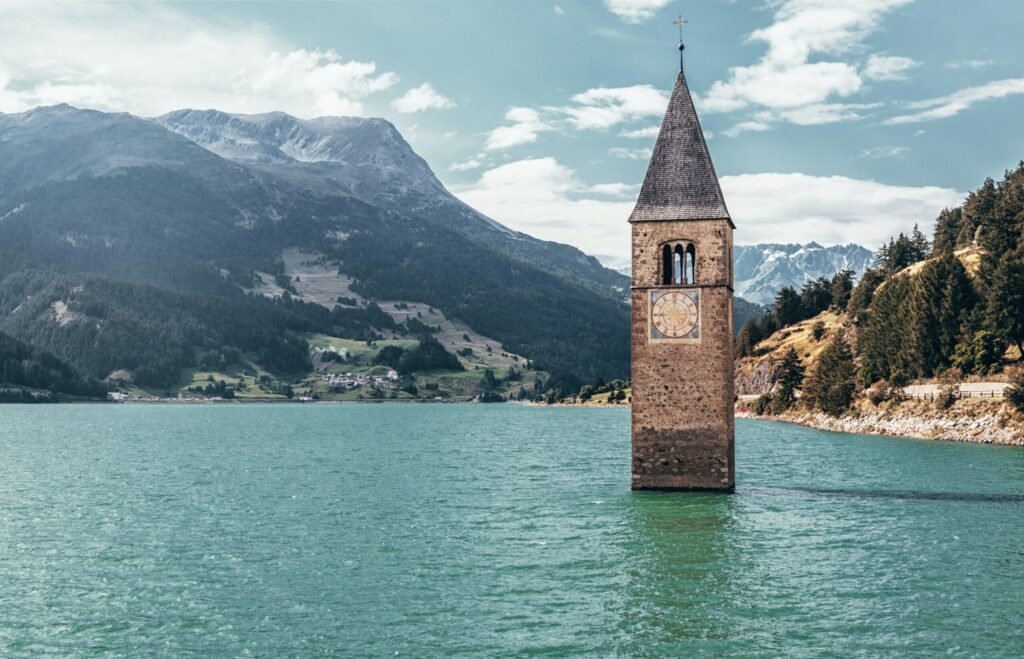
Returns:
<point x="481" y="530"/>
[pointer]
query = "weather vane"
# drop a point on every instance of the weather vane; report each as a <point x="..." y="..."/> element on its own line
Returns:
<point x="680" y="22"/>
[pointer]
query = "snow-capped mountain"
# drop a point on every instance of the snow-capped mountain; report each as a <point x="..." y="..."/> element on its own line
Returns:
<point x="761" y="271"/>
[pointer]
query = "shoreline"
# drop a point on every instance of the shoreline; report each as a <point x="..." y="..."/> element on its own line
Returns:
<point x="987" y="422"/>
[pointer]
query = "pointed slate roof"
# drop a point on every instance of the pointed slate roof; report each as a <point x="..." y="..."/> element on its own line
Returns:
<point x="681" y="183"/>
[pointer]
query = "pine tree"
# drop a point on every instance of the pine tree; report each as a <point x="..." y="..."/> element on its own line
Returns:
<point x="1015" y="393"/>
<point x="921" y="350"/>
<point x="863" y="294"/>
<point x="789" y="377"/>
<point x="787" y="309"/>
<point x="976" y="211"/>
<point x="842" y="288"/>
<point x="834" y="382"/>
<point x="919" y="244"/>
<point x="1006" y="298"/>
<point x="947" y="228"/>
<point x="885" y="330"/>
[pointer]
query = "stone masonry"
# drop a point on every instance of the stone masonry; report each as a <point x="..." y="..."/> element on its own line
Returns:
<point x="683" y="390"/>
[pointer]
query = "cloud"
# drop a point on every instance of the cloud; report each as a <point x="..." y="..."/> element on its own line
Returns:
<point x="601" y="108"/>
<point x="466" y="165"/>
<point x="547" y="200"/>
<point x="630" y="154"/>
<point x="559" y="10"/>
<point x="634" y="11"/>
<point x="973" y="64"/>
<point x="754" y="125"/>
<point x="149" y="59"/>
<point x="773" y="207"/>
<point x="794" y="79"/>
<point x="424" y="97"/>
<point x="646" y="132"/>
<point x="881" y="67"/>
<point x="615" y="189"/>
<point x="526" y="124"/>
<point x="948" y="106"/>
<point x="885" y="152"/>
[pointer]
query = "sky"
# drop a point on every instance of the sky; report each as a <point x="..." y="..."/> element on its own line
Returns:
<point x="833" y="121"/>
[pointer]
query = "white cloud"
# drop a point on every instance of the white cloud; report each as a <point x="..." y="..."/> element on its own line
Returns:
<point x="885" y="152"/>
<point x="466" y="165"/>
<point x="973" y="64"/>
<point x="559" y="10"/>
<point x="149" y="59"/>
<point x="793" y="79"/>
<point x="634" y="11"/>
<point x="526" y="124"/>
<point x="547" y="199"/>
<point x="601" y="108"/>
<point x="754" y="125"/>
<point x="774" y="207"/>
<point x="948" y="106"/>
<point x="880" y="67"/>
<point x="615" y="189"/>
<point x="630" y="154"/>
<point x="646" y="132"/>
<point x="424" y="97"/>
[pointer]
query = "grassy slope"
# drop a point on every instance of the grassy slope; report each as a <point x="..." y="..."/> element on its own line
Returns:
<point x="752" y="370"/>
<point x="451" y="385"/>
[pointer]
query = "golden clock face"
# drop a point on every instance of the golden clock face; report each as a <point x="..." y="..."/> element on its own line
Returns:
<point x="674" y="315"/>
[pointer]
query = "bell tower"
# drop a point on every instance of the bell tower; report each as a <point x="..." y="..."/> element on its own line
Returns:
<point x="682" y="288"/>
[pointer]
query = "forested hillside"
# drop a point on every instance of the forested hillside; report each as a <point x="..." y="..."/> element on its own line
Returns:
<point x="951" y="307"/>
<point x="28" y="374"/>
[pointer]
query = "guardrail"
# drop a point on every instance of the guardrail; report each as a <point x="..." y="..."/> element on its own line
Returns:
<point x="932" y="395"/>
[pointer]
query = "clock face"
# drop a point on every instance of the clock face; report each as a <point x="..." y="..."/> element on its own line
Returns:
<point x="674" y="315"/>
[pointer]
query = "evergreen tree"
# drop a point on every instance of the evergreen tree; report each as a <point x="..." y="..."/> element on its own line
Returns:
<point x="979" y="353"/>
<point x="947" y="229"/>
<point x="1015" y="392"/>
<point x="919" y="244"/>
<point x="1006" y="298"/>
<point x="834" y="383"/>
<point x="815" y="297"/>
<point x="788" y="308"/>
<point x="941" y="298"/>
<point x="977" y="210"/>
<point x="863" y="294"/>
<point x="842" y="288"/>
<point x="881" y="342"/>
<point x="789" y="377"/>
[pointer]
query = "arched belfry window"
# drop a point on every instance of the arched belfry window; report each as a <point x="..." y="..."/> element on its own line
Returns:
<point x="679" y="264"/>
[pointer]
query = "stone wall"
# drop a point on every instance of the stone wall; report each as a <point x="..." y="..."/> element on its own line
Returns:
<point x="682" y="405"/>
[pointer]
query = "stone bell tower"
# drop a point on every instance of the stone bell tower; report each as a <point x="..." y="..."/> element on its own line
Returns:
<point x="682" y="341"/>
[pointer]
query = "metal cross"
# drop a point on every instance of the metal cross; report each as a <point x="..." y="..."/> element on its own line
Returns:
<point x="680" y="22"/>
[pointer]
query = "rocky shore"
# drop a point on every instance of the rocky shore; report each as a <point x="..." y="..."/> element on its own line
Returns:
<point x="969" y="420"/>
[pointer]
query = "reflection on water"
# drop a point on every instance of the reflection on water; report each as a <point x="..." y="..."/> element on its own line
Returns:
<point x="679" y="569"/>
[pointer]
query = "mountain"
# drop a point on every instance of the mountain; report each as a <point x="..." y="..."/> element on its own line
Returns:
<point x="369" y="160"/>
<point x="109" y="220"/>
<point x="763" y="270"/>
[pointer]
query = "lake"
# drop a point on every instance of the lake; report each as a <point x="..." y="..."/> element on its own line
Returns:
<point x="476" y="530"/>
